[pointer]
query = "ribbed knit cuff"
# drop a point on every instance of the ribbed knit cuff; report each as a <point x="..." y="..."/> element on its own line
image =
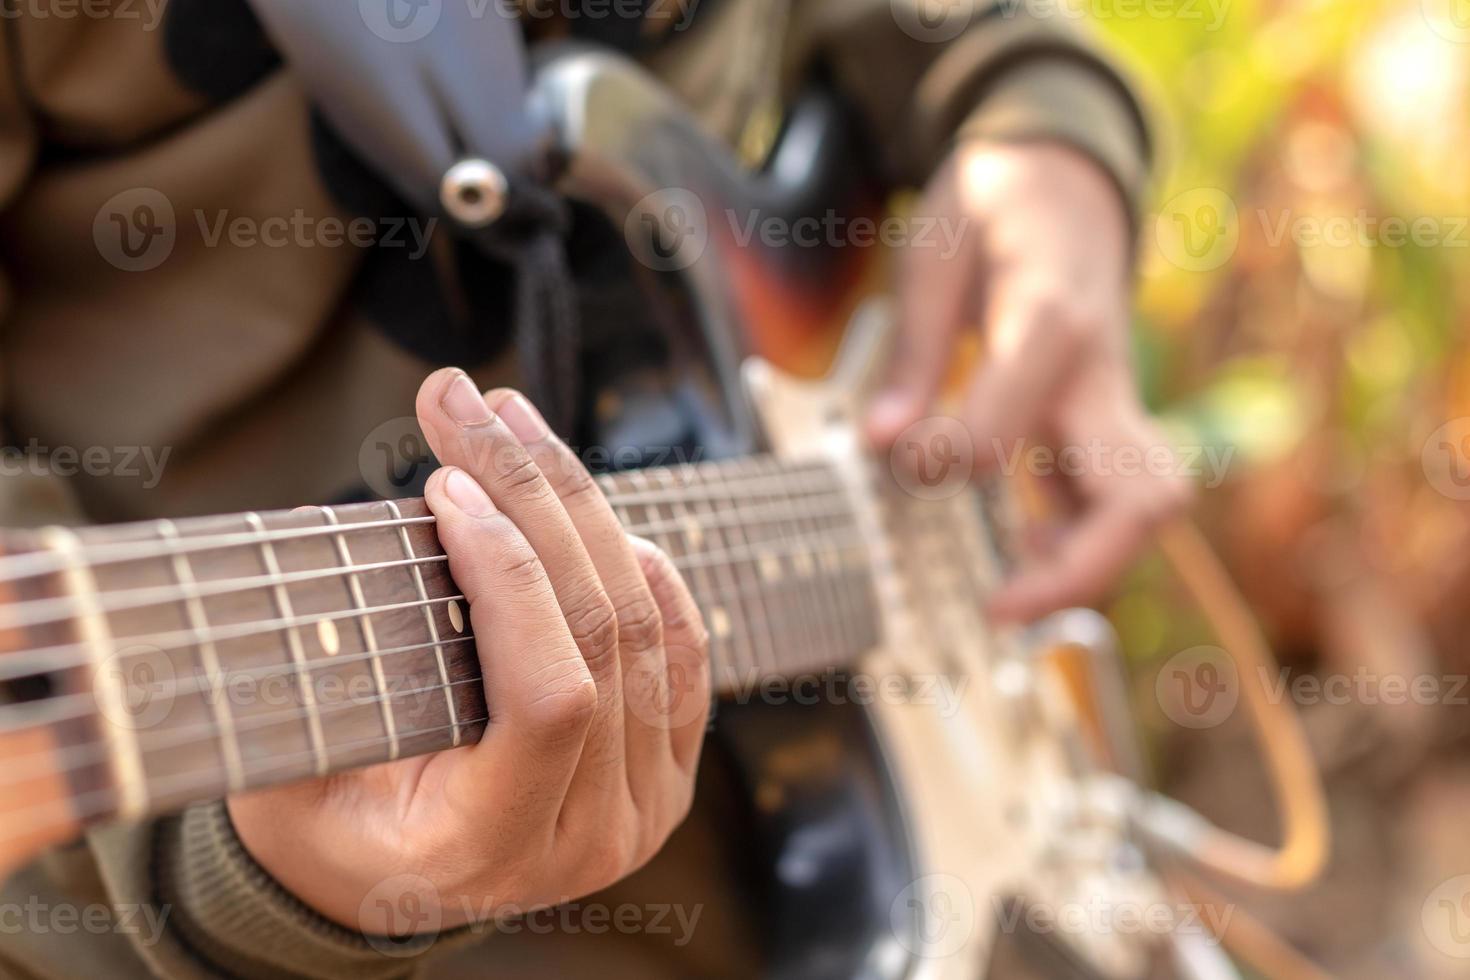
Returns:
<point x="231" y="913"/>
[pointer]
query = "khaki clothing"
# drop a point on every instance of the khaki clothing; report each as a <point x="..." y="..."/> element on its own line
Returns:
<point x="134" y="317"/>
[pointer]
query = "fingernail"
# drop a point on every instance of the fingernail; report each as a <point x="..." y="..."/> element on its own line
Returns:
<point x="523" y="419"/>
<point x="463" y="403"/>
<point x="468" y="495"/>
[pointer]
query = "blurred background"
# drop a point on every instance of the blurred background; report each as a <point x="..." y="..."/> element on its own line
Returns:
<point x="1303" y="305"/>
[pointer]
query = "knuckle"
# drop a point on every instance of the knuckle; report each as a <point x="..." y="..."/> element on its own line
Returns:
<point x="571" y="477"/>
<point x="640" y="624"/>
<point x="594" y="627"/>
<point x="522" y="570"/>
<point x="1063" y="317"/>
<point x="516" y="470"/>
<point x="562" y="707"/>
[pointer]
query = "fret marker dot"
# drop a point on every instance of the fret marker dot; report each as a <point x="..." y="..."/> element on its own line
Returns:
<point x="719" y="623"/>
<point x="770" y="568"/>
<point x="328" y="637"/>
<point x="694" y="534"/>
<point x="803" y="564"/>
<point x="456" y="616"/>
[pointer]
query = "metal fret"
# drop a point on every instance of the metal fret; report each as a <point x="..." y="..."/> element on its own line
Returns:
<point x="124" y="752"/>
<point x="418" y="581"/>
<point x="757" y="598"/>
<point x="209" y="660"/>
<point x="298" y="652"/>
<point x="830" y="624"/>
<point x="369" y="637"/>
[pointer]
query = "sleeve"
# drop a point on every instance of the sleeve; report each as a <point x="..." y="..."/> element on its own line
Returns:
<point x="924" y="74"/>
<point x="223" y="914"/>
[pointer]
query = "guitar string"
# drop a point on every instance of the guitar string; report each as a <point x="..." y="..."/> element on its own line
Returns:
<point x="198" y="682"/>
<point x="73" y="813"/>
<point x="87" y="754"/>
<point x="36" y="563"/>
<point x="38" y="612"/>
<point x="61" y="657"/>
<point x="69" y="707"/>
<point x="103" y="801"/>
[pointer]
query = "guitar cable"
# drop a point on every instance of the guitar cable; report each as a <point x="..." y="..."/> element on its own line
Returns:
<point x="1297" y="786"/>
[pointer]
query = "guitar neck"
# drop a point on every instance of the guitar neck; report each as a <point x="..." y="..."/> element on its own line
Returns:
<point x="176" y="661"/>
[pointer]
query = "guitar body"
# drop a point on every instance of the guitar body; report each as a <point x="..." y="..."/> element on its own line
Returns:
<point x="903" y="836"/>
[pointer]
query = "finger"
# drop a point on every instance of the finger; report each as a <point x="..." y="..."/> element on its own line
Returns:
<point x="539" y="694"/>
<point x="685" y="699"/>
<point x="1032" y="345"/>
<point x="640" y="632"/>
<point x="499" y="448"/>
<point x="936" y="296"/>
<point x="1119" y="515"/>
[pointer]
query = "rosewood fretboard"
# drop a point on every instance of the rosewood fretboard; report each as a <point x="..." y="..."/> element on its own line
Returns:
<point x="175" y="661"/>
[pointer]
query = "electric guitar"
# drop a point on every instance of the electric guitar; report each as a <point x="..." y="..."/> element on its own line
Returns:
<point x="957" y="773"/>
